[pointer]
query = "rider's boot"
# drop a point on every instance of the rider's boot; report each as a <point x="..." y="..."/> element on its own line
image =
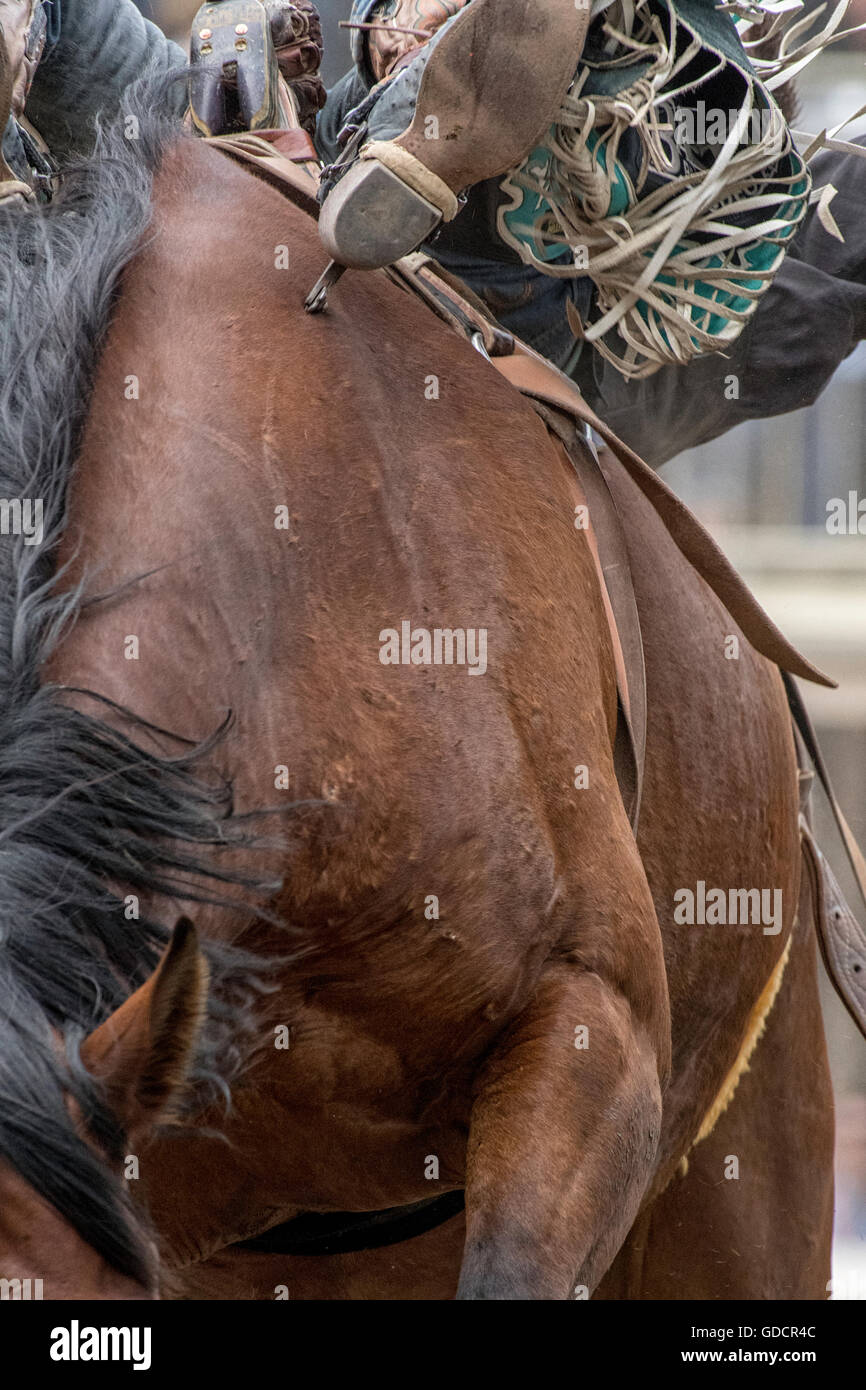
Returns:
<point x="488" y="88"/>
<point x="23" y="28"/>
<point x="239" y="50"/>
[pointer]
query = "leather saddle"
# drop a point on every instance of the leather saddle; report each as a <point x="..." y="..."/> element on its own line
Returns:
<point x="286" y="159"/>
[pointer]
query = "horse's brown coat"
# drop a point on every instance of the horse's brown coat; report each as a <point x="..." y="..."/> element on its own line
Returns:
<point x="411" y="1037"/>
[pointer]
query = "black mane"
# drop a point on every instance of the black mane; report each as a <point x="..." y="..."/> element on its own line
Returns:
<point x="82" y="806"/>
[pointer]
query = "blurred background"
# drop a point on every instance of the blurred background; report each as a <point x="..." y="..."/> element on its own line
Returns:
<point x="763" y="490"/>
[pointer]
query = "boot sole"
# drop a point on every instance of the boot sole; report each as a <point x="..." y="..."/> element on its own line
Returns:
<point x="494" y="82"/>
<point x="372" y="218"/>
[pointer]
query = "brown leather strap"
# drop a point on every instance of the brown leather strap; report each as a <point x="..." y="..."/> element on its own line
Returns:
<point x="535" y="376"/>
<point x="295" y="144"/>
<point x="618" y="581"/>
<point x="609" y="547"/>
<point x="285" y="158"/>
<point x="420" y="275"/>
<point x="841" y="939"/>
<point x="806" y="730"/>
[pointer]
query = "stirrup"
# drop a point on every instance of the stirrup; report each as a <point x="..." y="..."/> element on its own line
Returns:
<point x="234" y="78"/>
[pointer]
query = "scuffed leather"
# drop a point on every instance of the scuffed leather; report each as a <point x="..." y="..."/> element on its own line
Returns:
<point x="840" y="936"/>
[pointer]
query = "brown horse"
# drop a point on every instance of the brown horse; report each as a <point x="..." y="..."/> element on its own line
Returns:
<point x="444" y="959"/>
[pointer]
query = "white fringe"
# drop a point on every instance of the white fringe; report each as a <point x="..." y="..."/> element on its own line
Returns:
<point x="675" y="231"/>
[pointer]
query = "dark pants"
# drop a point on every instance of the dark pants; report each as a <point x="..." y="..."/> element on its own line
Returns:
<point x="807" y="323"/>
<point x="811" y="318"/>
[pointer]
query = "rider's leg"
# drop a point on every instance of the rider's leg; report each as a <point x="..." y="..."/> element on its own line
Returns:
<point x="488" y="87"/>
<point x="811" y="318"/>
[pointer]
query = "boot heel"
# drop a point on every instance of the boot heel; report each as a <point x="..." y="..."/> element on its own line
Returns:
<point x="372" y="218"/>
